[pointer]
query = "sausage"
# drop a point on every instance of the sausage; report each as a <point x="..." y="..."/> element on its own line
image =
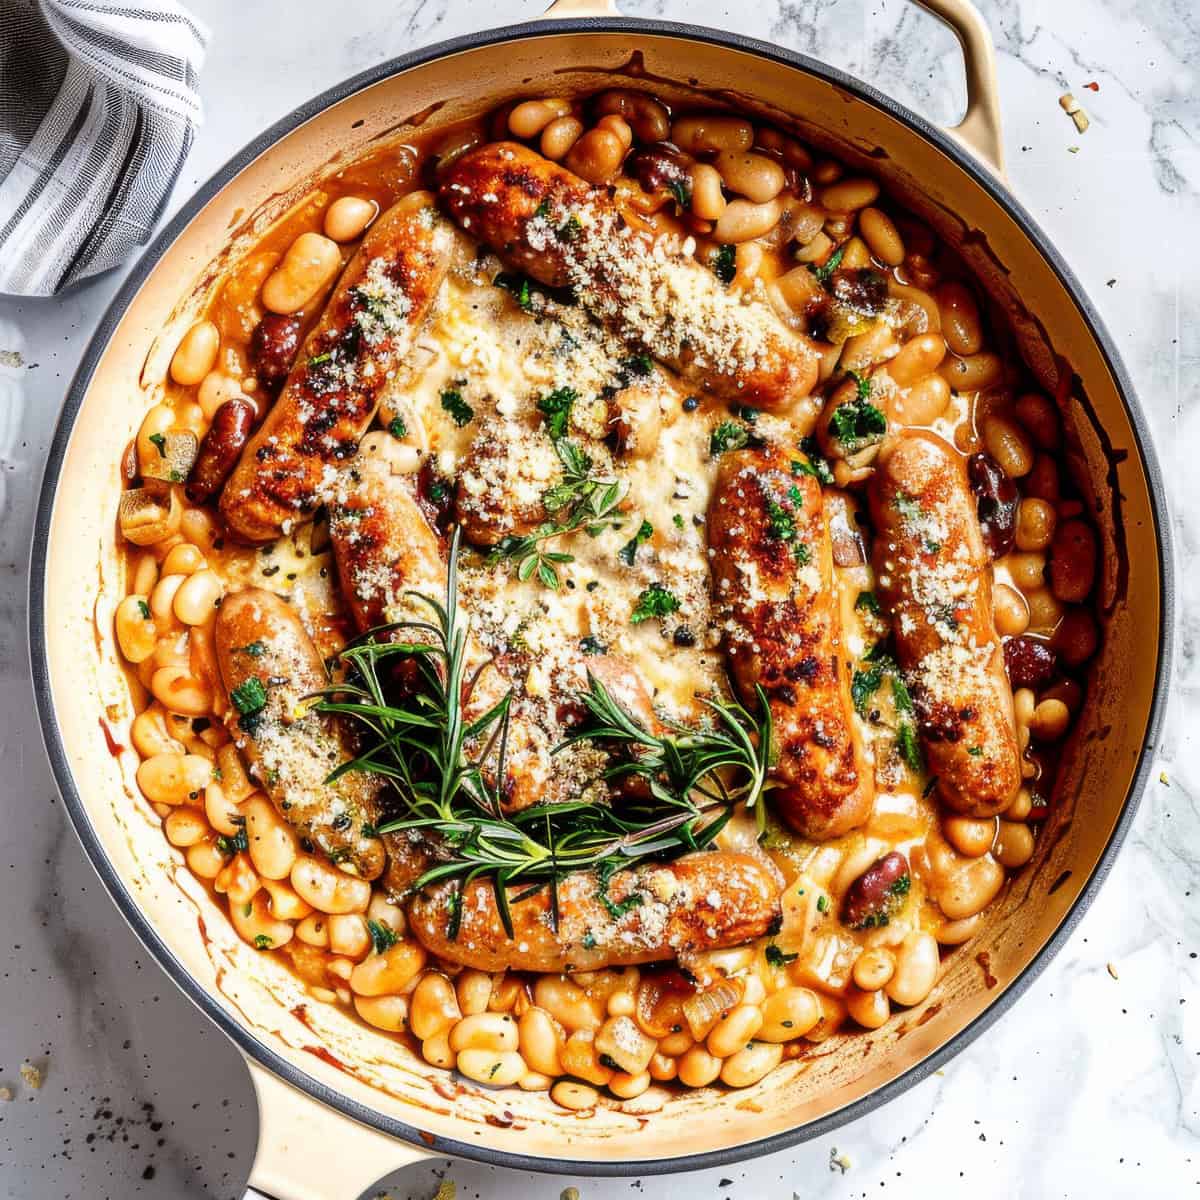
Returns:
<point x="933" y="572"/>
<point x="662" y="911"/>
<point x="330" y="396"/>
<point x="383" y="545"/>
<point x="273" y="347"/>
<point x="772" y="564"/>
<point x="268" y="664"/>
<point x="220" y="448"/>
<point x="568" y="234"/>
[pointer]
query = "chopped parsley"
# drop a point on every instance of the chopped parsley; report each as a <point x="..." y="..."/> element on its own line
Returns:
<point x="397" y="428"/>
<point x="160" y="444"/>
<point x="803" y="554"/>
<point x="543" y="209"/>
<point x="781" y="524"/>
<point x="229" y="846"/>
<point x="681" y="192"/>
<point x="654" y="601"/>
<point x="144" y="609"/>
<point x="824" y="273"/>
<point x="382" y="936"/>
<point x="556" y="407"/>
<point x="822" y="903"/>
<point x="253" y="649"/>
<point x="616" y="908"/>
<point x="908" y="507"/>
<point x="263" y="942"/>
<point x="776" y="957"/>
<point x="906" y="730"/>
<point x="975" y="751"/>
<point x="862" y="384"/>
<point x="588" y="941"/>
<point x="318" y="360"/>
<point x="249" y="697"/>
<point x="725" y="263"/>
<point x="863" y="686"/>
<point x="628" y="552"/>
<point x="638" y="365"/>
<point x="569" y="230"/>
<point x="858" y="423"/>
<point x="676" y="520"/>
<point x="591" y="645"/>
<point x="729" y="435"/>
<point x="460" y="411"/>
<point x="866" y="602"/>
<point x="518" y="286"/>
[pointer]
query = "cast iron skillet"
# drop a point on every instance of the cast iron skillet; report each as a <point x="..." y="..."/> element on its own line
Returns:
<point x="340" y="1105"/>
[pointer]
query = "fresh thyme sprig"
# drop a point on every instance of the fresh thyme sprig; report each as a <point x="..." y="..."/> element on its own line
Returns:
<point x="448" y="770"/>
<point x="580" y="500"/>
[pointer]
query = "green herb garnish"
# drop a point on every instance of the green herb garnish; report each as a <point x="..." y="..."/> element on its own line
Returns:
<point x="866" y="602"/>
<point x="397" y="428"/>
<point x="858" y="423"/>
<point x="460" y="411"/>
<point x="144" y="610"/>
<point x="654" y="601"/>
<point x="628" y="552"/>
<point x="249" y="697"/>
<point x="729" y="435"/>
<point x="776" y="957"/>
<point x="817" y="464"/>
<point x="160" y="444"/>
<point x="263" y="941"/>
<point x="382" y="936"/>
<point x="824" y="273"/>
<point x="725" y="263"/>
<point x="556" y="407"/>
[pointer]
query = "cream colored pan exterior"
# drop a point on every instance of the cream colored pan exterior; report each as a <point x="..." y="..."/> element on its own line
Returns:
<point x="307" y="1149"/>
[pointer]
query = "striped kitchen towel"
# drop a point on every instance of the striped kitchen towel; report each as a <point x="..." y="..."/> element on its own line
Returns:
<point x="98" y="108"/>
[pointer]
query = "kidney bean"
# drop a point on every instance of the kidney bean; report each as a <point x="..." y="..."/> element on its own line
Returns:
<point x="1030" y="662"/>
<point x="662" y="167"/>
<point x="220" y="449"/>
<point x="273" y="346"/>
<point x="997" y="504"/>
<point x="875" y="895"/>
<point x="1073" y="561"/>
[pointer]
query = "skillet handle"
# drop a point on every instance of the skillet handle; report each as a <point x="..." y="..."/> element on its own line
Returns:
<point x="309" y="1152"/>
<point x="980" y="129"/>
<point x="582" y="8"/>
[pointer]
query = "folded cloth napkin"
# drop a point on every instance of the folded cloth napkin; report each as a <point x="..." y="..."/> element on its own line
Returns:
<point x="98" y="108"/>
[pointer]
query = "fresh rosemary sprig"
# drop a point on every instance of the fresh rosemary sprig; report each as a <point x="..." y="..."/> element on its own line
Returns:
<point x="580" y="500"/>
<point x="448" y="770"/>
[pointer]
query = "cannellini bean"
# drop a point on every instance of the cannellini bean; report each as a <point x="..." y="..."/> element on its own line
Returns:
<point x="708" y="200"/>
<point x="870" y="1009"/>
<point x="222" y="815"/>
<point x="534" y="1081"/>
<point x="196" y="353"/>
<point x="151" y="734"/>
<point x="560" y="135"/>
<point x="1007" y="443"/>
<point x="434" y="1006"/>
<point x="273" y="844"/>
<point x="313" y="930"/>
<point x="917" y="963"/>
<point x="484" y="1031"/>
<point x="923" y="402"/>
<point x="960" y="318"/>
<point x="734" y="1030"/>
<point x="389" y="1013"/>
<point x="530" y="117"/>
<point x="567" y="1003"/>
<point x="501" y="1069"/>
<point x="348" y="935"/>
<point x="788" y="1013"/>
<point x="973" y="372"/>
<point x="541" y="1041"/>
<point x="1050" y="721"/>
<point x="662" y="1068"/>
<point x="880" y="233"/>
<point x="743" y="220"/>
<point x="347" y="218"/>
<point x="970" y="889"/>
<point x="1040" y="417"/>
<point x="618" y="125"/>
<point x="198" y="597"/>
<point x="215" y="389"/>
<point x="183" y="559"/>
<point x="1014" y="844"/>
<point x="750" y="1064"/>
<point x="917" y="358"/>
<point x="285" y="904"/>
<point x="629" y="1087"/>
<point x="697" y="1068"/>
<point x="204" y="860"/>
<point x="873" y="968"/>
<point x="235" y="783"/>
<point x="696" y="134"/>
<point x="954" y="933"/>
<point x="596" y="156"/>
<point x="327" y="888"/>
<point x="136" y="631"/>
<point x="178" y="691"/>
<point x="184" y="827"/>
<point x="581" y="1059"/>
<point x="849" y="195"/>
<point x="436" y="1051"/>
<point x="255" y="924"/>
<point x="1011" y="611"/>
<point x="754" y="176"/>
<point x="306" y="269"/>
<point x="647" y="117"/>
<point x="237" y="880"/>
<point x="474" y="991"/>
<point x="968" y="835"/>
<point x="387" y="973"/>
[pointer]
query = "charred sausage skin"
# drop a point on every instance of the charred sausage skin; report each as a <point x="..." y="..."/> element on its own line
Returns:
<point x="772" y="567"/>
<point x="933" y="572"/>
<point x="337" y="382"/>
<point x="674" y="910"/>
<point x="268" y="665"/>
<point x="567" y="234"/>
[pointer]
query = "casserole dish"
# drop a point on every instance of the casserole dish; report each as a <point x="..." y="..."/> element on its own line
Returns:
<point x="328" y="1084"/>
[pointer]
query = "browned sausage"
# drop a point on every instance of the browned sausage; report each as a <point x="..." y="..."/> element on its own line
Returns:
<point x="933" y="572"/>
<point x="268" y="665"/>
<point x="363" y="336"/>
<point x="673" y="910"/>
<point x="568" y="234"/>
<point x="273" y="347"/>
<point x="220" y="448"/>
<point x="773" y="576"/>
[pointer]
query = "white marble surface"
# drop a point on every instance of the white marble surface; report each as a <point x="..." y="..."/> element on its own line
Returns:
<point x="1091" y="1085"/>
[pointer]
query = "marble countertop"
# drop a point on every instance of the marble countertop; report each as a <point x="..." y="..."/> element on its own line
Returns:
<point x="1090" y="1086"/>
